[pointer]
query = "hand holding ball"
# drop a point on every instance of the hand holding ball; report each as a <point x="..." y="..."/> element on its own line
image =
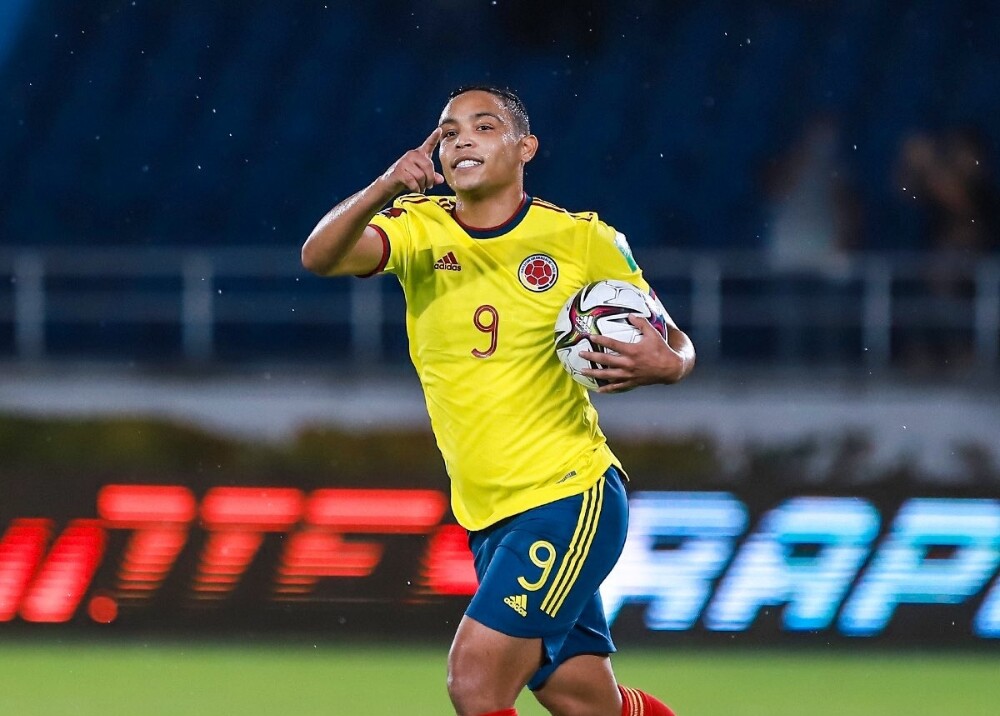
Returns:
<point x="602" y="308"/>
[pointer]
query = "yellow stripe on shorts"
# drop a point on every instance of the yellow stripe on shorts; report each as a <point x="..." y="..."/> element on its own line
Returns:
<point x="579" y="547"/>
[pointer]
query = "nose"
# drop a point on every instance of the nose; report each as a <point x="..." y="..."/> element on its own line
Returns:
<point x="463" y="140"/>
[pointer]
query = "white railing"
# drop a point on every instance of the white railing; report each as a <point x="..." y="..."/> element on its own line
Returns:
<point x="737" y="307"/>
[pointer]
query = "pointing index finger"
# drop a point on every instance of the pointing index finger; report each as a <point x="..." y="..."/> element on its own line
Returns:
<point x="428" y="146"/>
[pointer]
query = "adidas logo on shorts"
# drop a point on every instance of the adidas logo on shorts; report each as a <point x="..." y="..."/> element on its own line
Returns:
<point x="448" y="262"/>
<point x="518" y="603"/>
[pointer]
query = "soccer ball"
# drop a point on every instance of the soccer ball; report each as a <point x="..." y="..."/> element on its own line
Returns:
<point x="602" y="308"/>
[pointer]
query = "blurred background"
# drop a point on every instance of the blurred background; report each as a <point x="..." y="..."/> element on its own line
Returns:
<point x="201" y="444"/>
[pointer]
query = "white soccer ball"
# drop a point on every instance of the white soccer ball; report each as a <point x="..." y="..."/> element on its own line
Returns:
<point x="602" y="308"/>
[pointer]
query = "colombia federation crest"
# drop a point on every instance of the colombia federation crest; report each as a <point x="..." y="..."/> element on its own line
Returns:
<point x="538" y="272"/>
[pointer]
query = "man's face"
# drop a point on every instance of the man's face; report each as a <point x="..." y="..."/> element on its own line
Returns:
<point x="481" y="148"/>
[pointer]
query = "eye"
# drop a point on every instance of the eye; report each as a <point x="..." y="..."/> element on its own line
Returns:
<point x="485" y="126"/>
<point x="450" y="133"/>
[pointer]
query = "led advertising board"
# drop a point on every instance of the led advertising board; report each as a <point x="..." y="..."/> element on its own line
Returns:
<point x="923" y="569"/>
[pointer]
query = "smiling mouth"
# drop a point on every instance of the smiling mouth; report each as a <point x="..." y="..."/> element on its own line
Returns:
<point x="468" y="164"/>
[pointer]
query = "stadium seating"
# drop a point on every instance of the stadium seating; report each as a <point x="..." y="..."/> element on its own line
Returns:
<point x="214" y="125"/>
<point x="194" y="123"/>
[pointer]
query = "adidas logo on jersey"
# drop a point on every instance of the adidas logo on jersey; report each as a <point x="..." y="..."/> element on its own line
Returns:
<point x="518" y="603"/>
<point x="448" y="262"/>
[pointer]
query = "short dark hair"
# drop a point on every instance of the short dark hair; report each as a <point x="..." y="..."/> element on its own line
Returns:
<point x="511" y="101"/>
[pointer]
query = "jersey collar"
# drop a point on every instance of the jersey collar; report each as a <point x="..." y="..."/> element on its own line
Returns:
<point x="492" y="232"/>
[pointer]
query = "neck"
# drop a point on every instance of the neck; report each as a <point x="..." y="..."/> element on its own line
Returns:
<point x="484" y="211"/>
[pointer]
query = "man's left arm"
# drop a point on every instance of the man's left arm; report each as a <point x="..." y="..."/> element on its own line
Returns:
<point x="649" y="360"/>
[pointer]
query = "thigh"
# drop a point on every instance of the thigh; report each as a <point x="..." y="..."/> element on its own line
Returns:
<point x="584" y="685"/>
<point x="488" y="669"/>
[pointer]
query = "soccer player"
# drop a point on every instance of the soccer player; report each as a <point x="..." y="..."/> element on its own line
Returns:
<point x="533" y="480"/>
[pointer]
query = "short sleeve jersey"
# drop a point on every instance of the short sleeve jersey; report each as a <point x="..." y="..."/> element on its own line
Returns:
<point x="515" y="430"/>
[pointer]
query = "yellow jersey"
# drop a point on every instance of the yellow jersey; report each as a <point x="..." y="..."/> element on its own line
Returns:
<point x="515" y="430"/>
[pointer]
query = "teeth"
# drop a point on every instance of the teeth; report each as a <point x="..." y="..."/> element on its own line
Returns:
<point x="465" y="163"/>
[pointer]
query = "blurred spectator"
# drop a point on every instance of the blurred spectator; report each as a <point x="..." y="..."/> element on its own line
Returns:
<point x="815" y="220"/>
<point x="951" y="179"/>
<point x="815" y="224"/>
<point x="948" y="179"/>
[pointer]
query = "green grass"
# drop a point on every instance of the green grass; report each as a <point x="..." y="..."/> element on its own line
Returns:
<point x="81" y="679"/>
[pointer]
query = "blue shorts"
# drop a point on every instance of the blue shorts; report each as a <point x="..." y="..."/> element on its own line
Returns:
<point x="539" y="572"/>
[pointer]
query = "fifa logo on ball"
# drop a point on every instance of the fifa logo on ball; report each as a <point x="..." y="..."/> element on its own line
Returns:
<point x="583" y="324"/>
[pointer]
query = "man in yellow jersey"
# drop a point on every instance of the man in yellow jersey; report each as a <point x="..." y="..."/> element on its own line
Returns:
<point x="484" y="273"/>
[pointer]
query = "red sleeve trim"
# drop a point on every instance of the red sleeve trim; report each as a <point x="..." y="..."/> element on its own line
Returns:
<point x="385" y="253"/>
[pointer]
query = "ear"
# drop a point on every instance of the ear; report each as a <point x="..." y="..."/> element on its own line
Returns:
<point x="529" y="146"/>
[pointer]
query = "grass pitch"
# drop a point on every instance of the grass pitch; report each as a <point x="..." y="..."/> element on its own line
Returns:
<point x="82" y="679"/>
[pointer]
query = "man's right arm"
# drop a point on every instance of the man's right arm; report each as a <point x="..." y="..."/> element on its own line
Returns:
<point x="342" y="244"/>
